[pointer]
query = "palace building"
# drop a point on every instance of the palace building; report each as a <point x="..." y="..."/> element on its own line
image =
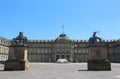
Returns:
<point x="4" y="49"/>
<point x="61" y="48"/>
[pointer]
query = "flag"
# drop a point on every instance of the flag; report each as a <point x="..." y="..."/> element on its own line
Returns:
<point x="62" y="27"/>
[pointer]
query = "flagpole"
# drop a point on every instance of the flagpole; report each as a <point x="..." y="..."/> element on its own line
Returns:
<point x="63" y="28"/>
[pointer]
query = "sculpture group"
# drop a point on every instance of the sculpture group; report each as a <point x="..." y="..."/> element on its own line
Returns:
<point x="98" y="59"/>
<point x="17" y="59"/>
<point x="20" y="40"/>
<point x="94" y="40"/>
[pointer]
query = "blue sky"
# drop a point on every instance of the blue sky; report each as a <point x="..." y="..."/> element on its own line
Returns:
<point x="42" y="19"/>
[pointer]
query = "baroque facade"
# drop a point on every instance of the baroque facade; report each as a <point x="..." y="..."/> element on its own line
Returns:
<point x="116" y="51"/>
<point x="61" y="48"/>
<point x="4" y="49"/>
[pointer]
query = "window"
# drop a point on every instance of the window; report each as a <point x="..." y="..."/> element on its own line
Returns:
<point x="38" y="51"/>
<point x="110" y="50"/>
<point x="83" y="51"/>
<point x="42" y="51"/>
<point x="80" y="51"/>
<point x="75" y="51"/>
<point x="86" y="51"/>
<point x="49" y="51"/>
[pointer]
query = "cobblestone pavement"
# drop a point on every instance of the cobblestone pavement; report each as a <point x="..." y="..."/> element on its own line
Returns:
<point x="60" y="71"/>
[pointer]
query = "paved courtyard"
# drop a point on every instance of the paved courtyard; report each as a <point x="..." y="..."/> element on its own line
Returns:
<point x="60" y="71"/>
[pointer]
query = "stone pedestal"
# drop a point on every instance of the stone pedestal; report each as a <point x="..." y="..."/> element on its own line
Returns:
<point x="17" y="59"/>
<point x="98" y="59"/>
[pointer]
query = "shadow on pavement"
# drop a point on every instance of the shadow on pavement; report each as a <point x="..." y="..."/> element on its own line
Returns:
<point x="1" y="70"/>
<point x="92" y="70"/>
<point x="83" y="70"/>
